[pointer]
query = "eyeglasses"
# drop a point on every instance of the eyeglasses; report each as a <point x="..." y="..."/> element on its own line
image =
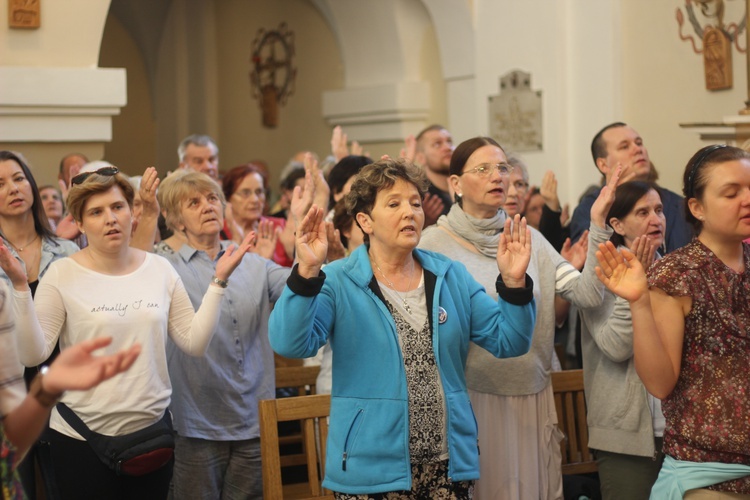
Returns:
<point x="485" y="169"/>
<point x="247" y="193"/>
<point x="80" y="178"/>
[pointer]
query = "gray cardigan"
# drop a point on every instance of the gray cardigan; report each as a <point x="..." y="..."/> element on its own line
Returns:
<point x="552" y="275"/>
<point x="619" y="415"/>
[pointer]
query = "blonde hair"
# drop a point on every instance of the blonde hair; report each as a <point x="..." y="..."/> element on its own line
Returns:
<point x="79" y="194"/>
<point x="177" y="187"/>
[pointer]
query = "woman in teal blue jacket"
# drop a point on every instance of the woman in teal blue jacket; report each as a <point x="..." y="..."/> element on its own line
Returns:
<point x="399" y="321"/>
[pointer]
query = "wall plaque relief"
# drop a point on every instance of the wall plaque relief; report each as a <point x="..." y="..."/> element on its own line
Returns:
<point x="516" y="113"/>
<point x="25" y="14"/>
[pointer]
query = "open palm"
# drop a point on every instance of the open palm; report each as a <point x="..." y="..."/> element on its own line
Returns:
<point x="514" y="251"/>
<point x="621" y="272"/>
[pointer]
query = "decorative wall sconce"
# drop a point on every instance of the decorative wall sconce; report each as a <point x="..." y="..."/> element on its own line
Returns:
<point x="272" y="72"/>
<point x="716" y="38"/>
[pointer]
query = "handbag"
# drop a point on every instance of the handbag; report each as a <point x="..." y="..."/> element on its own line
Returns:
<point x="133" y="454"/>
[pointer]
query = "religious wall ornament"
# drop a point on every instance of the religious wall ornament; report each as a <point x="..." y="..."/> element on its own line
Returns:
<point x="516" y="113"/>
<point x="716" y="37"/>
<point x="24" y="14"/>
<point x="272" y="71"/>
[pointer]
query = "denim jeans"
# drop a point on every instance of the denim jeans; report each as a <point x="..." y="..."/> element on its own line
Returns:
<point x="212" y="470"/>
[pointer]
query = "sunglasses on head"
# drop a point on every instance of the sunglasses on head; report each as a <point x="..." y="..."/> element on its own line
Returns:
<point x="80" y="178"/>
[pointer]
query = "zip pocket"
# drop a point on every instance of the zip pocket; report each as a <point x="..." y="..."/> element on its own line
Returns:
<point x="348" y="435"/>
<point x="476" y="424"/>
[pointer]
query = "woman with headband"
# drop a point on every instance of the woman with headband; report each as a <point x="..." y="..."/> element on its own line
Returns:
<point x="691" y="331"/>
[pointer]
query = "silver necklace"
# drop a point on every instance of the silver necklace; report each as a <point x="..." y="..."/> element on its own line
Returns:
<point x="393" y="287"/>
<point x="20" y="249"/>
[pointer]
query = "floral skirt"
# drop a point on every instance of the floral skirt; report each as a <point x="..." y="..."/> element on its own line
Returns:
<point x="428" y="481"/>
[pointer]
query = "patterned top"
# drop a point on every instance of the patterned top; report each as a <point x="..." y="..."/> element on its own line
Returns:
<point x="10" y="485"/>
<point x="426" y="407"/>
<point x="708" y="412"/>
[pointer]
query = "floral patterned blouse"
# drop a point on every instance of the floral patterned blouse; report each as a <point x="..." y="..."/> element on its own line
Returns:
<point x="9" y="482"/>
<point x="708" y="412"/>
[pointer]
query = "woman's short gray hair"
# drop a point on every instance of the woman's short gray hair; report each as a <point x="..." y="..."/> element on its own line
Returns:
<point x="177" y="187"/>
<point x="516" y="162"/>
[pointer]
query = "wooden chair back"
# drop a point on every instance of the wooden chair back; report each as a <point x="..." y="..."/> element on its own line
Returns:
<point x="302" y="378"/>
<point x="570" y="404"/>
<point x="311" y="411"/>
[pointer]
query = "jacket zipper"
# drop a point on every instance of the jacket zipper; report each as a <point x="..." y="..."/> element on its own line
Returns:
<point x="348" y="435"/>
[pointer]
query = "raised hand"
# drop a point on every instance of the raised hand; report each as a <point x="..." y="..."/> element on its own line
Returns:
<point x="514" y="252"/>
<point x="606" y="198"/>
<point x="339" y="148"/>
<point x="76" y="368"/>
<point x="268" y="237"/>
<point x="548" y="190"/>
<point x="409" y="151"/>
<point x="565" y="214"/>
<point x="145" y="226"/>
<point x="621" y="272"/>
<point x="358" y="150"/>
<point x="149" y="185"/>
<point x="301" y="199"/>
<point x="67" y="228"/>
<point x="336" y="249"/>
<point x="311" y="243"/>
<point x="576" y="254"/>
<point x="322" y="192"/>
<point x="236" y="229"/>
<point x="64" y="188"/>
<point x="433" y="208"/>
<point x="13" y="268"/>
<point x="233" y="255"/>
<point x="644" y="250"/>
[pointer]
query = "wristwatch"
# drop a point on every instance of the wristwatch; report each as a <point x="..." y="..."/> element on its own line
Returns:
<point x="222" y="283"/>
<point x="36" y="390"/>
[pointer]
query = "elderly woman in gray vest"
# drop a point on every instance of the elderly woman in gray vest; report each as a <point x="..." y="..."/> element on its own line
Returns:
<point x="513" y="398"/>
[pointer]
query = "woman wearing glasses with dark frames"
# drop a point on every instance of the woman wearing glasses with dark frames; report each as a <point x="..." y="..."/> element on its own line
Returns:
<point x="512" y="398"/>
<point x="110" y="288"/>
<point x="691" y="331"/>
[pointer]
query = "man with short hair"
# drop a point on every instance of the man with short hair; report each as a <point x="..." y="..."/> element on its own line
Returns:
<point x="619" y="144"/>
<point x="200" y="153"/>
<point x="434" y="151"/>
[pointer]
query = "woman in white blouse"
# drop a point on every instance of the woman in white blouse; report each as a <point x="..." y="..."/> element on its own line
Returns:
<point x="135" y="297"/>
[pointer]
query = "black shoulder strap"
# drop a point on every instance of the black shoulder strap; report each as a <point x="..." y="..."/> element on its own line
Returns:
<point x="74" y="420"/>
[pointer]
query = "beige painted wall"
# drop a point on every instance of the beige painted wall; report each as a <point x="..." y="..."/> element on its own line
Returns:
<point x="133" y="147"/>
<point x="69" y="35"/>
<point x="664" y="85"/>
<point x="44" y="157"/>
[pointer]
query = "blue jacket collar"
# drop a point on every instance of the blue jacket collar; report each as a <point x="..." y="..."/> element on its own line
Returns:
<point x="357" y="266"/>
